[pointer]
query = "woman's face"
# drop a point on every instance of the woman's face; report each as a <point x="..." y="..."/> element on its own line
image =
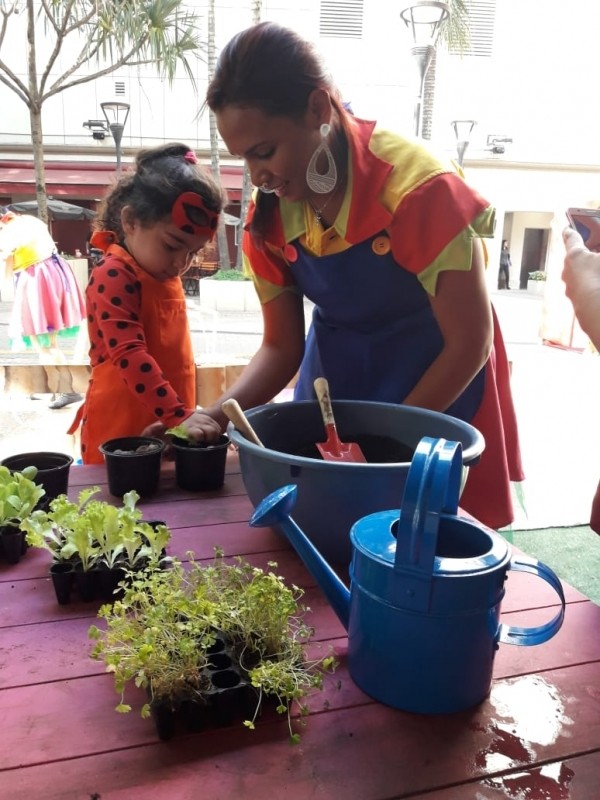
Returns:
<point x="276" y="149"/>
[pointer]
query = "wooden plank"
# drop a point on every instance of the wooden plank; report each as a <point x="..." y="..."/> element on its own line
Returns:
<point x="59" y="649"/>
<point x="44" y="652"/>
<point x="527" y="591"/>
<point x="31" y="601"/>
<point x="573" y="779"/>
<point x="93" y="474"/>
<point x="577" y="642"/>
<point x="528" y="721"/>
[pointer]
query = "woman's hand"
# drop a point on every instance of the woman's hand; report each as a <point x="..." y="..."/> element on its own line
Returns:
<point x="199" y="427"/>
<point x="581" y="275"/>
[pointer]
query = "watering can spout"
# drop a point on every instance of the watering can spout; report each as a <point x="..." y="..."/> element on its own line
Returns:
<point x="275" y="510"/>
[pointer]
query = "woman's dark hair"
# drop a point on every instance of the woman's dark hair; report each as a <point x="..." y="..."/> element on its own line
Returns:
<point x="270" y="68"/>
<point x="273" y="69"/>
<point x="161" y="174"/>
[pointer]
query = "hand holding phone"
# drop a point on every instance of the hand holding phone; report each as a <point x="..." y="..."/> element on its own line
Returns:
<point x="586" y="221"/>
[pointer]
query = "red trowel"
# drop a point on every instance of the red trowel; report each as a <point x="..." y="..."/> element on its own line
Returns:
<point x="332" y="449"/>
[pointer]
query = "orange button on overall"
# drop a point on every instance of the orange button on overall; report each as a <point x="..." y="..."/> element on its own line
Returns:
<point x="381" y="245"/>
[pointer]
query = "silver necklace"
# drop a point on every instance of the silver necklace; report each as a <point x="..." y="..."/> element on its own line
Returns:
<point x="318" y="212"/>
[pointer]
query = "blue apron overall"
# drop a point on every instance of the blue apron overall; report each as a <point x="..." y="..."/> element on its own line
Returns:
<point x="373" y="332"/>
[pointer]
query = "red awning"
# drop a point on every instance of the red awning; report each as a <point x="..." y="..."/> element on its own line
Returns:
<point x="83" y="179"/>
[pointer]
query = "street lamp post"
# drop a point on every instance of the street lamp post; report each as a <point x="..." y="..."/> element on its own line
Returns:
<point x="116" y="114"/>
<point x="423" y="18"/>
<point x="462" y="130"/>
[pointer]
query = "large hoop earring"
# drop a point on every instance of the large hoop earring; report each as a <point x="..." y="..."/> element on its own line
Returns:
<point x="326" y="182"/>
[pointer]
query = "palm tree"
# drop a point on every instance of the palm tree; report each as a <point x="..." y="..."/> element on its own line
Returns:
<point x="256" y="6"/>
<point x="103" y="36"/>
<point x="224" y="262"/>
<point x="454" y="35"/>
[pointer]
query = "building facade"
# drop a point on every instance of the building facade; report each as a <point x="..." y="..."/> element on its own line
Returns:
<point x="524" y="79"/>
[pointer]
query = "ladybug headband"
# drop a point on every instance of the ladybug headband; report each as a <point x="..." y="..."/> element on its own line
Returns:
<point x="190" y="207"/>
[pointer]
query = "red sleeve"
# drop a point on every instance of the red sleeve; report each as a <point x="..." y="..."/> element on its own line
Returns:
<point x="113" y="300"/>
<point x="430" y="217"/>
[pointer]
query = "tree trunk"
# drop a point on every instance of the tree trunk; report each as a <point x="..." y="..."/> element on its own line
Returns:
<point x="244" y="203"/>
<point x="224" y="262"/>
<point x="428" y="99"/>
<point x="246" y="183"/>
<point x="35" y="116"/>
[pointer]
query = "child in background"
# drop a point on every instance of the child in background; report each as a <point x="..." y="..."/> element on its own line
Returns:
<point x="149" y="227"/>
<point x="48" y="302"/>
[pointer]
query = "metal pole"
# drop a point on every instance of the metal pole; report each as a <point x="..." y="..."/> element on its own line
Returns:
<point x="116" y="128"/>
<point x="422" y="56"/>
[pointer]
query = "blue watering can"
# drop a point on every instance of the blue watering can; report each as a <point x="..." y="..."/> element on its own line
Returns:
<point x="423" y="608"/>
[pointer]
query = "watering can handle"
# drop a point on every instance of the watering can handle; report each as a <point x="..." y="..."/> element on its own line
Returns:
<point x="432" y="488"/>
<point x="512" y="634"/>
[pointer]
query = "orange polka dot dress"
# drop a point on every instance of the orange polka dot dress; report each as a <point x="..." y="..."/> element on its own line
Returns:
<point x="141" y="353"/>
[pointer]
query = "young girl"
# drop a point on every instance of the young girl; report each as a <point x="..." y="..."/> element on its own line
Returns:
<point x="150" y="226"/>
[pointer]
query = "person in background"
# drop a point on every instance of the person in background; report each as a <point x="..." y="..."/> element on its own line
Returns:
<point x="581" y="275"/>
<point x="505" y="265"/>
<point x="384" y="239"/>
<point x="149" y="227"/>
<point x="48" y="303"/>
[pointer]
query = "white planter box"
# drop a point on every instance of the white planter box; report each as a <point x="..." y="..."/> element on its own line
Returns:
<point x="536" y="287"/>
<point x="228" y="295"/>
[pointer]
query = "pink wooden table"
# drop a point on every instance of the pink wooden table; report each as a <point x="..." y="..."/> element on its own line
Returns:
<point x="536" y="738"/>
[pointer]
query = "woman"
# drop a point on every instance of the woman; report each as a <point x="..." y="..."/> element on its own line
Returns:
<point x="382" y="237"/>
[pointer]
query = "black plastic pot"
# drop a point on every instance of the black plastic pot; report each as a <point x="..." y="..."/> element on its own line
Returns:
<point x="53" y="470"/>
<point x="129" y="467"/>
<point x="228" y="696"/>
<point x="200" y="467"/>
<point x="11" y="544"/>
<point x="62" y="575"/>
<point x="87" y="583"/>
<point x="108" y="583"/>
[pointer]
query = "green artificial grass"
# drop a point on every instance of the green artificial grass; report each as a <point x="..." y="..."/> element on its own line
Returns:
<point x="573" y="553"/>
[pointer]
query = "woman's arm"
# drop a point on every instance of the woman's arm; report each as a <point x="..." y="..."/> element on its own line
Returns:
<point x="276" y="361"/>
<point x="462" y="309"/>
<point x="581" y="275"/>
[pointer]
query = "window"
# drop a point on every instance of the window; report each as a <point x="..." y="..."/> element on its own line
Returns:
<point x="341" y="19"/>
<point x="482" y="15"/>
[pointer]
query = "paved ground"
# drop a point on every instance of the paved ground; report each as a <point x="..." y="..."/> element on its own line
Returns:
<point x="556" y="395"/>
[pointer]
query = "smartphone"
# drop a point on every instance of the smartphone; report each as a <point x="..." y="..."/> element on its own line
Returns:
<point x="586" y="222"/>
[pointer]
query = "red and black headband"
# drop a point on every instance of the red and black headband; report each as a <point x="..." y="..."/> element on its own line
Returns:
<point x="189" y="207"/>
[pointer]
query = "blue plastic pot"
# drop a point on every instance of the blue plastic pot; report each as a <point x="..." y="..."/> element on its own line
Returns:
<point x="332" y="496"/>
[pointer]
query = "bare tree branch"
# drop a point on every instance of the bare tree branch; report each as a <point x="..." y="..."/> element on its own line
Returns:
<point x="110" y="33"/>
<point x="19" y="89"/>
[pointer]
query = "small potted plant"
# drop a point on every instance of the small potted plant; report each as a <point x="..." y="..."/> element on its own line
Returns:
<point x="536" y="281"/>
<point x="19" y="495"/>
<point x="52" y="470"/>
<point x="208" y="643"/>
<point x="95" y="544"/>
<point x="133" y="464"/>
<point x="198" y="466"/>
